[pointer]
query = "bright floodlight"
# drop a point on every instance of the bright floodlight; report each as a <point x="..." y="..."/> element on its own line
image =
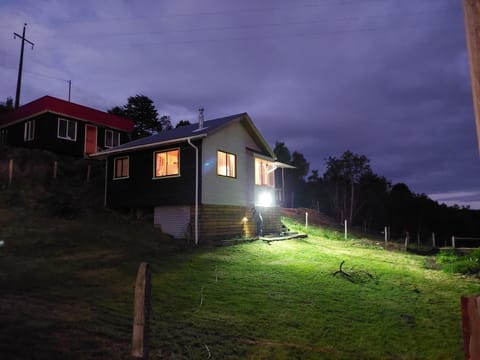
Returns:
<point x="265" y="199"/>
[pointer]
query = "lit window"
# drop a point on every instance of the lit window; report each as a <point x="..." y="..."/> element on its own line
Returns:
<point x="264" y="174"/>
<point x="167" y="163"/>
<point x="112" y="138"/>
<point x="3" y="136"/>
<point x="29" y="130"/>
<point x="226" y="164"/>
<point x="121" y="167"/>
<point x="67" y="129"/>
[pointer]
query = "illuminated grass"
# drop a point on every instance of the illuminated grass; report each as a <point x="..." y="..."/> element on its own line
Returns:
<point x="281" y="301"/>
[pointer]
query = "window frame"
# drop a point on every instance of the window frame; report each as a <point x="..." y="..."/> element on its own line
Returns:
<point x="266" y="178"/>
<point x="155" y="176"/>
<point x="226" y="175"/>
<point x="112" y="135"/>
<point x="29" y="130"/>
<point x="66" y="137"/>
<point x="121" y="158"/>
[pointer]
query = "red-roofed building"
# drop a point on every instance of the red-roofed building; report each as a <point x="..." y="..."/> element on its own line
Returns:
<point x="63" y="127"/>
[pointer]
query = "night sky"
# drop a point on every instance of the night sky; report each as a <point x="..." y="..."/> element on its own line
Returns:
<point x="387" y="79"/>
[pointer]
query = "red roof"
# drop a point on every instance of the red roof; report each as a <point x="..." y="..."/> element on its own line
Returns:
<point x="61" y="107"/>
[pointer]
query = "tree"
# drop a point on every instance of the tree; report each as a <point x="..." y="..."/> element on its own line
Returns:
<point x="142" y="111"/>
<point x="344" y="175"/>
<point x="182" y="123"/>
<point x="371" y="208"/>
<point x="282" y="153"/>
<point x="166" y="123"/>
<point x="301" y="165"/>
<point x="7" y="105"/>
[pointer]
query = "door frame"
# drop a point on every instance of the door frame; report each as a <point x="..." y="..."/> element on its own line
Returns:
<point x="96" y="138"/>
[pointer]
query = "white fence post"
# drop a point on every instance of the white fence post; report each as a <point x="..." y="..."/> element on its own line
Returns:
<point x="407" y="239"/>
<point x="306" y="220"/>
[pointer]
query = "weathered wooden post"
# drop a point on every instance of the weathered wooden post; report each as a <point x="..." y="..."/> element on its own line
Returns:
<point x="386" y="235"/>
<point x="141" y="312"/>
<point x="89" y="171"/>
<point x="306" y="221"/>
<point x="346" y="230"/>
<point x="453" y="242"/>
<point x="10" y="172"/>
<point x="433" y="240"/>
<point x="471" y="326"/>
<point x="55" y="169"/>
<point x="407" y="238"/>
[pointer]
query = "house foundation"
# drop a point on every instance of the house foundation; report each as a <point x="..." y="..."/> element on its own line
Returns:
<point x="215" y="222"/>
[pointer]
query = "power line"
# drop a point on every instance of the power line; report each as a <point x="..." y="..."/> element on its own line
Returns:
<point x="305" y="34"/>
<point x="268" y="25"/>
<point x="45" y="76"/>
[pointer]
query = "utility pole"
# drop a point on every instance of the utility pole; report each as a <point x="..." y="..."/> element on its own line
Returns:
<point x="20" y="66"/>
<point x="472" y="22"/>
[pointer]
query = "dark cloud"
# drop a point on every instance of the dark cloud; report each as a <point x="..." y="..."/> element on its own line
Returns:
<point x="386" y="79"/>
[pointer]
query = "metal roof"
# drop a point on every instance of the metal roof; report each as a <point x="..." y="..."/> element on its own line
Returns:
<point x="192" y="131"/>
<point x="50" y="104"/>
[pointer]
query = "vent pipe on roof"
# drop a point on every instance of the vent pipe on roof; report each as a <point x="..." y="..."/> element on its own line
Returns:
<point x="200" y="117"/>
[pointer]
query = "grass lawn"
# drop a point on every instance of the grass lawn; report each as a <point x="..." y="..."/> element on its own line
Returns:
<point x="67" y="292"/>
<point x="281" y="300"/>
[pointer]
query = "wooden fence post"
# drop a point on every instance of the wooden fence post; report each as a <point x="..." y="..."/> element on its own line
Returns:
<point x="10" y="172"/>
<point x="89" y="170"/>
<point x="306" y="221"/>
<point x="386" y="235"/>
<point x="433" y="240"/>
<point x="55" y="169"/>
<point x="141" y="312"/>
<point x="453" y="242"/>
<point x="346" y="230"/>
<point x="407" y="239"/>
<point x="471" y="326"/>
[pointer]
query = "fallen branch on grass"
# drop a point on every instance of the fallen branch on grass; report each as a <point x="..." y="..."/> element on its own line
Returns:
<point x="359" y="276"/>
<point x="343" y="273"/>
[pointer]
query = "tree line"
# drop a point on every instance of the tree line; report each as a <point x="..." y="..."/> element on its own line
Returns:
<point x="347" y="190"/>
<point x="350" y="190"/>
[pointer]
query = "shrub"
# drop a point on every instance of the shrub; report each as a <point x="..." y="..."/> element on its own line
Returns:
<point x="453" y="262"/>
<point x="447" y="256"/>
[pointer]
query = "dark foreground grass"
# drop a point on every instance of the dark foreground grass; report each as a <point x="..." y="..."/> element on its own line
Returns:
<point x="67" y="292"/>
<point x="67" y="285"/>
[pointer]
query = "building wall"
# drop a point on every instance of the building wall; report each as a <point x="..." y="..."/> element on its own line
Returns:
<point x="216" y="222"/>
<point x="141" y="190"/>
<point x="221" y="190"/>
<point x="45" y="135"/>
<point x="221" y="222"/>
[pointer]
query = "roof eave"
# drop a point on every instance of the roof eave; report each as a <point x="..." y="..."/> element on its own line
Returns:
<point x="106" y="153"/>
<point x="259" y="136"/>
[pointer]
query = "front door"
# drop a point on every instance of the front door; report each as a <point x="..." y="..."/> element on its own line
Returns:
<point x="90" y="139"/>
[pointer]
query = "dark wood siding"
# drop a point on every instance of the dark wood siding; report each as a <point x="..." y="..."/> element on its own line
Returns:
<point x="46" y="131"/>
<point x="124" y="137"/>
<point x="140" y="190"/>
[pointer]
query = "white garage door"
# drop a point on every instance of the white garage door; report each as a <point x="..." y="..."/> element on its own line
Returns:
<point x="173" y="220"/>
